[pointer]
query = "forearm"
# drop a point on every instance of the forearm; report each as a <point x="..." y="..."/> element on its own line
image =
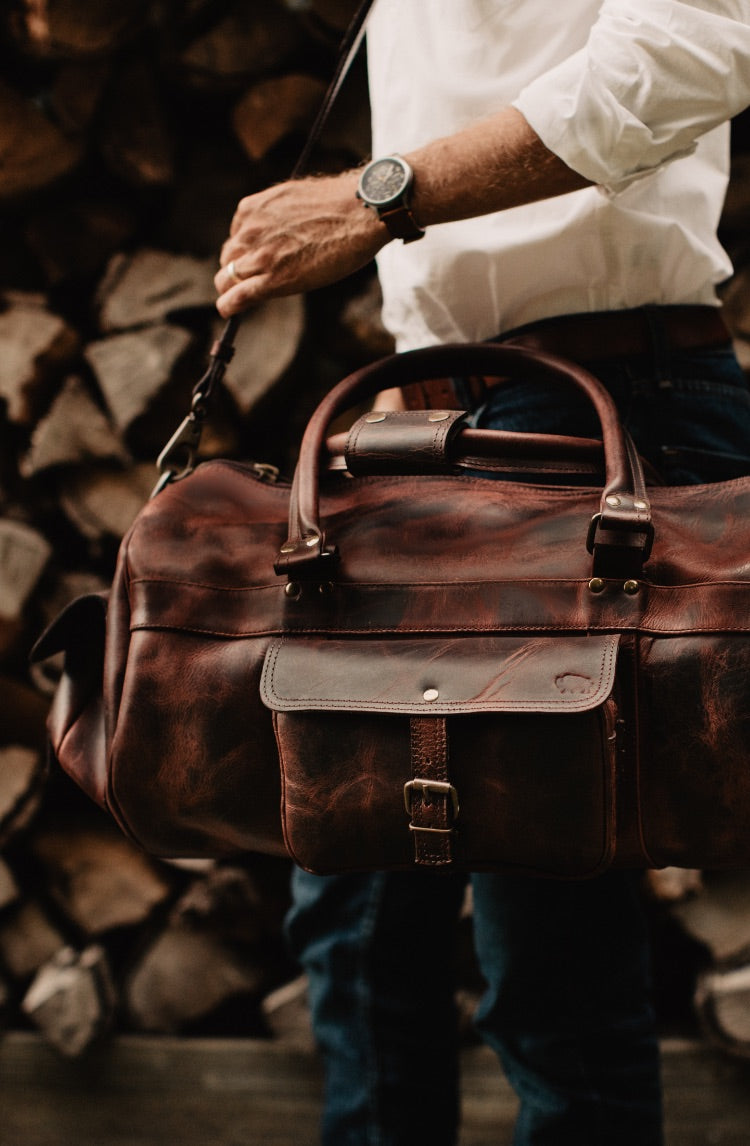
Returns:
<point x="490" y="166"/>
<point x="311" y="232"/>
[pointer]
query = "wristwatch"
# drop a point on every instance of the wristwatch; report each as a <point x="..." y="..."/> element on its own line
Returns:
<point x="385" y="185"/>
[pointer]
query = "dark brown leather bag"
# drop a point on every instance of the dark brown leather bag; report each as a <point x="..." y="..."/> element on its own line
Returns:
<point x="398" y="661"/>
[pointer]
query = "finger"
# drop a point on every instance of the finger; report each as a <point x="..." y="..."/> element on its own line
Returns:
<point x="230" y="274"/>
<point x="241" y="296"/>
<point x="239" y="217"/>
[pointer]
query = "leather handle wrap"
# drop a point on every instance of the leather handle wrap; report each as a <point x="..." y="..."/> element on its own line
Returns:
<point x="624" y="509"/>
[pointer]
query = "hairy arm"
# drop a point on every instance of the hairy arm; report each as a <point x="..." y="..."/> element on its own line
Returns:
<point x="307" y="233"/>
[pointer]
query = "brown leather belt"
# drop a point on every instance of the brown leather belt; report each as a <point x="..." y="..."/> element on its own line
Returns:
<point x="587" y="337"/>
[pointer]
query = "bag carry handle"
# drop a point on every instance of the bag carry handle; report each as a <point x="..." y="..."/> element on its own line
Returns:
<point x="619" y="536"/>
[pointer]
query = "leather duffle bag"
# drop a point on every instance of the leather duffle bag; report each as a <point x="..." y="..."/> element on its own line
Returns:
<point x="399" y="660"/>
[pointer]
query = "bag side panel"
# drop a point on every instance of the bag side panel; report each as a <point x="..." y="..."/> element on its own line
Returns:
<point x="695" y="750"/>
<point x="75" y="722"/>
<point x="193" y="768"/>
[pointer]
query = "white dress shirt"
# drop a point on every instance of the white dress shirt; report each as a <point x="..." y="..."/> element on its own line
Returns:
<point x="632" y="94"/>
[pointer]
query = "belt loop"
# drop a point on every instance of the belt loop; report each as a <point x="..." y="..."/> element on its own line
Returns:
<point x="661" y="348"/>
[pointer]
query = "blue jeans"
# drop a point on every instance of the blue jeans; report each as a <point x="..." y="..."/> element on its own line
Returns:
<point x="567" y="1005"/>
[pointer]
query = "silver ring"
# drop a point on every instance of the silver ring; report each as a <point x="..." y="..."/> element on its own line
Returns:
<point x="231" y="270"/>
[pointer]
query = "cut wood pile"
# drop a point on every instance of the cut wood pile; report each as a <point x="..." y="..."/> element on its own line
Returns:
<point x="128" y="131"/>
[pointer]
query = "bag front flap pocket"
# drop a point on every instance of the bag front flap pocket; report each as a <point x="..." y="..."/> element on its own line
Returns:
<point x="420" y="677"/>
<point x="479" y="752"/>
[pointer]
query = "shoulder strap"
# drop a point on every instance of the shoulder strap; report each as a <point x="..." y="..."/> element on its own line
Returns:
<point x="178" y="456"/>
<point x="348" y="49"/>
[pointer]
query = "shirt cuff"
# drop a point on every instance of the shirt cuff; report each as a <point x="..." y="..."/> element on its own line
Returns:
<point x="577" y="117"/>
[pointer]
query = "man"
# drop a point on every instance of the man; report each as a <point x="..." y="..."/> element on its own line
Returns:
<point x="569" y="164"/>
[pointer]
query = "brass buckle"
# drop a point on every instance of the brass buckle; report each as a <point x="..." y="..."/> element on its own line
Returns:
<point x="439" y="788"/>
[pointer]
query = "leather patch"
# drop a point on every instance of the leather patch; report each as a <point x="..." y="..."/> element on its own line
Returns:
<point x="402" y="441"/>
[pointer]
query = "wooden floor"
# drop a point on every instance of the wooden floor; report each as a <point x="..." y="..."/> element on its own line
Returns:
<point x="140" y="1091"/>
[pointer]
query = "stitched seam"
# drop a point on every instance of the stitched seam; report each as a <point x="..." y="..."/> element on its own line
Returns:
<point x="500" y="630"/>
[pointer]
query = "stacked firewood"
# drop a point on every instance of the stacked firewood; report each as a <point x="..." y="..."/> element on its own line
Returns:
<point x="128" y="131"/>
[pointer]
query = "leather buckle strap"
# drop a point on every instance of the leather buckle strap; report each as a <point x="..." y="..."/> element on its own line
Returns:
<point x="429" y="797"/>
<point x="430" y="788"/>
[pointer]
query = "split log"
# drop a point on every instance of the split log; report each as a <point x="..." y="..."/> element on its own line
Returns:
<point x="720" y="916"/>
<point x="135" y="140"/>
<point x="250" y="40"/>
<point x="286" y="1012"/>
<point x="274" y="109"/>
<point x="74" y="430"/>
<point x="22" y="777"/>
<point x="673" y="884"/>
<point x="74" y="240"/>
<point x="75" y="94"/>
<point x="226" y="901"/>
<point x="72" y="999"/>
<point x="213" y="178"/>
<point x="149" y="286"/>
<point x="98" y="878"/>
<point x="34" y="152"/>
<point x="9" y="891"/>
<point x="23" y="556"/>
<point x="134" y="367"/>
<point x="185" y="976"/>
<point x="27" y="939"/>
<point x="24" y="553"/>
<point x="24" y="711"/>
<point x="37" y="346"/>
<point x="102" y="504"/>
<point x="266" y="344"/>
<point x="722" y="1003"/>
<point x="64" y="28"/>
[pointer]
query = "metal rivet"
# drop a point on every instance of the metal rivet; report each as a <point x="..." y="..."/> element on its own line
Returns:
<point x="375" y="417"/>
<point x="293" y="590"/>
<point x="596" y="584"/>
<point x="288" y="547"/>
<point x="326" y="587"/>
<point x="612" y="500"/>
<point x="430" y="694"/>
<point x="438" y="416"/>
<point x="630" y="587"/>
<point x="311" y="540"/>
<point x="639" y="504"/>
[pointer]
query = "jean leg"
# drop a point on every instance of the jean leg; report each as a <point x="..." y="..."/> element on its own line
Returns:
<point x="567" y="1007"/>
<point x="378" y="951"/>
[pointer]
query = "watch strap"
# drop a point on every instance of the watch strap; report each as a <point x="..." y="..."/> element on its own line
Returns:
<point x="401" y="223"/>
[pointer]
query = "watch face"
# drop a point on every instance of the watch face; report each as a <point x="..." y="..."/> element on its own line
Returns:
<point x="383" y="181"/>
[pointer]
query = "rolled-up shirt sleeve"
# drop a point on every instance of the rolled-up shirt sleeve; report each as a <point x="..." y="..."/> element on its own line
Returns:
<point x="653" y="77"/>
